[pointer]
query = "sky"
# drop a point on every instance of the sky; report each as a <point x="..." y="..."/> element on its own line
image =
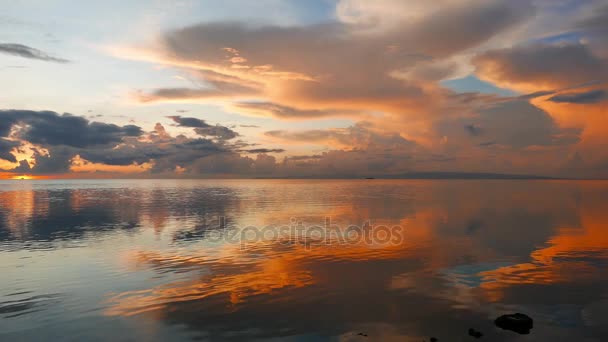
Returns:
<point x="319" y="88"/>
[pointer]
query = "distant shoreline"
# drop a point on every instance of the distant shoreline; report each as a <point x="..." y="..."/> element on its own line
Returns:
<point x="410" y="176"/>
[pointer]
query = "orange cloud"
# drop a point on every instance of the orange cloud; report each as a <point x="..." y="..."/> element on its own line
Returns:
<point x="84" y="166"/>
<point x="541" y="67"/>
<point x="384" y="62"/>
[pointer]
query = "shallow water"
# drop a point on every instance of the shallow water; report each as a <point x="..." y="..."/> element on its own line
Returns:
<point x="302" y="260"/>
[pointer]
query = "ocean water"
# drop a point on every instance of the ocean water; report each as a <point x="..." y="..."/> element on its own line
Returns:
<point x="302" y="260"/>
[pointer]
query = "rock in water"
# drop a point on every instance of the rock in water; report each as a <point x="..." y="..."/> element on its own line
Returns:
<point x="518" y="322"/>
<point x="475" y="333"/>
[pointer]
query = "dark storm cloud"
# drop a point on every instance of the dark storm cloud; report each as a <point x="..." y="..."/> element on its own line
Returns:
<point x="592" y="96"/>
<point x="200" y="144"/>
<point x="76" y="132"/>
<point x="59" y="139"/>
<point x="127" y="154"/>
<point x="166" y="151"/>
<point x="50" y="128"/>
<point x="23" y="167"/>
<point x="28" y="52"/>
<point x="188" y="122"/>
<point x="58" y="160"/>
<point x="6" y="146"/>
<point x="204" y="129"/>
<point x="7" y="120"/>
<point x="219" y="132"/>
<point x="63" y="136"/>
<point x="265" y="150"/>
<point x="196" y="155"/>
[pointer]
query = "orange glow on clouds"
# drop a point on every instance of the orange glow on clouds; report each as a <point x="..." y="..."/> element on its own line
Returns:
<point x="84" y="166"/>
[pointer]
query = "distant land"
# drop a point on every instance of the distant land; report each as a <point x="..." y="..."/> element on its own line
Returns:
<point x="430" y="175"/>
<point x="465" y="175"/>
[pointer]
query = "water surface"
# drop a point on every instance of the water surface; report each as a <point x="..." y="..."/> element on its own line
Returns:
<point x="161" y="260"/>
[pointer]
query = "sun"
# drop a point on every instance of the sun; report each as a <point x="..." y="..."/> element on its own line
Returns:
<point x="23" y="177"/>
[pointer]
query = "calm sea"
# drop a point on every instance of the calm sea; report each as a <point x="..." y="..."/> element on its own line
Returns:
<point x="300" y="260"/>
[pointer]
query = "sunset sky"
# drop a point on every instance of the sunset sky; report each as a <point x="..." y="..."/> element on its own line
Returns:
<point x="316" y="88"/>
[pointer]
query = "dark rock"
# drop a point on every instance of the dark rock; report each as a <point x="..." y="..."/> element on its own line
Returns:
<point x="434" y="339"/>
<point x="362" y="334"/>
<point x="519" y="323"/>
<point x="475" y="333"/>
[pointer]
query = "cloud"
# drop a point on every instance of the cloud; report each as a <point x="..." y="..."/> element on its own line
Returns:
<point x="74" y="131"/>
<point x="204" y="129"/>
<point x="215" y="85"/>
<point x="513" y="124"/>
<point x="360" y="150"/>
<point x="291" y="73"/>
<point x="217" y="131"/>
<point x="383" y="64"/>
<point x="60" y="139"/>
<point x="520" y="124"/>
<point x="592" y="96"/>
<point x="165" y="153"/>
<point x="355" y="151"/>
<point x="313" y="135"/>
<point x="598" y="20"/>
<point x="168" y="94"/>
<point x="541" y="66"/>
<point x="264" y="150"/>
<point x="304" y="157"/>
<point x="443" y="27"/>
<point x="50" y="128"/>
<point x="6" y="146"/>
<point x="28" y="52"/>
<point x="124" y="154"/>
<point x="268" y="109"/>
<point x="58" y="160"/>
<point x="188" y="122"/>
<point x="361" y="136"/>
<point x="234" y="164"/>
<point x="473" y="130"/>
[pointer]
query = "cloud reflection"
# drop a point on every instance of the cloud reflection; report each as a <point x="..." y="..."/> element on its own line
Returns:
<point x="470" y="250"/>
